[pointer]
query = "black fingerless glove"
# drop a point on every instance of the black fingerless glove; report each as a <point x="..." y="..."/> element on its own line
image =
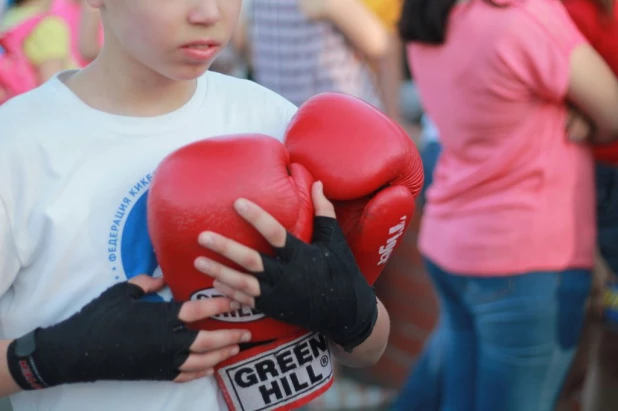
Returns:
<point x="114" y="337"/>
<point x="319" y="287"/>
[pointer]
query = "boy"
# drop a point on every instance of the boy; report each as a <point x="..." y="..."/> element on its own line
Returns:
<point x="76" y="159"/>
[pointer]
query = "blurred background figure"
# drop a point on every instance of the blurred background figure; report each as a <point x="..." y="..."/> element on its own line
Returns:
<point x="85" y="28"/>
<point x="305" y="47"/>
<point x="91" y="36"/>
<point x="389" y="69"/>
<point x="4" y="4"/>
<point x="36" y="42"/>
<point x="430" y="149"/>
<point x="508" y="233"/>
<point x="301" y="48"/>
<point x="598" y="21"/>
<point x="233" y="59"/>
<point x="39" y="38"/>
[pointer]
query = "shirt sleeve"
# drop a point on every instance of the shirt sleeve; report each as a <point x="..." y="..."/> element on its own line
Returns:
<point x="50" y="40"/>
<point x="9" y="259"/>
<point x="536" y="49"/>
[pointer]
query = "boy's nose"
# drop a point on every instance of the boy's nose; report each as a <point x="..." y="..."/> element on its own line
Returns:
<point x="205" y="12"/>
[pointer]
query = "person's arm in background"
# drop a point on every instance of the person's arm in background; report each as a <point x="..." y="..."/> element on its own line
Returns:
<point x="593" y="90"/>
<point x="587" y="16"/>
<point x="390" y="78"/>
<point x="89" y="30"/>
<point x="362" y="28"/>
<point x="48" y="47"/>
<point x="551" y="58"/>
<point x="389" y="69"/>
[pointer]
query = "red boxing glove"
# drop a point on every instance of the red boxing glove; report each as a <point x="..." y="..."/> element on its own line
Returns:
<point x="370" y="169"/>
<point x="193" y="190"/>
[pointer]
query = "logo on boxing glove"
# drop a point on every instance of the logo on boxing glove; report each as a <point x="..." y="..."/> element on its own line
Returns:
<point x="281" y="377"/>
<point x="244" y="314"/>
<point x="394" y="232"/>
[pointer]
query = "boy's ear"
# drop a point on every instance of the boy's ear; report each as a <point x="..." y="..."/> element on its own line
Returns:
<point x="95" y="4"/>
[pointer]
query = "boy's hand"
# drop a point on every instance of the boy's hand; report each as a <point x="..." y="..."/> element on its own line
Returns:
<point x="117" y="336"/>
<point x="316" y="286"/>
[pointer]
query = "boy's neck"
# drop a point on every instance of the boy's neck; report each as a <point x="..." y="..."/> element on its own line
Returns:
<point x="122" y="89"/>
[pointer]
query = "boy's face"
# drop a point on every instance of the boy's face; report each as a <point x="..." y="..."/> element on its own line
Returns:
<point x="179" y="39"/>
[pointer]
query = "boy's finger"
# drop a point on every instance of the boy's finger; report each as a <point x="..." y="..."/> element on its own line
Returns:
<point x="323" y="207"/>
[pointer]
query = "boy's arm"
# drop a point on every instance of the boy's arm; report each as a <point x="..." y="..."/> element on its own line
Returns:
<point x="9" y="267"/>
<point x="7" y="384"/>
<point x="371" y="350"/>
<point x="362" y="28"/>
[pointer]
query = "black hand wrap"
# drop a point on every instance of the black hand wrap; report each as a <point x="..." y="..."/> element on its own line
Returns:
<point x="319" y="287"/>
<point x="114" y="337"/>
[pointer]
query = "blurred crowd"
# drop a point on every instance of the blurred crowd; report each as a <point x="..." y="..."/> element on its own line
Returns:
<point x="519" y="232"/>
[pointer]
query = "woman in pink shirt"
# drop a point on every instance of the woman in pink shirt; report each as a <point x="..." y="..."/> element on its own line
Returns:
<point x="508" y="232"/>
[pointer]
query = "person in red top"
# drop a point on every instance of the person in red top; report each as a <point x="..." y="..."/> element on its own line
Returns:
<point x="597" y="20"/>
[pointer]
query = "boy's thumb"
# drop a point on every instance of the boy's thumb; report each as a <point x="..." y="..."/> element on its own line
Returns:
<point x="323" y="207"/>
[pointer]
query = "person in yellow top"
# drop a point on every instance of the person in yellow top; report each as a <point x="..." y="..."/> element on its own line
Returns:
<point x="388" y="11"/>
<point x="48" y="45"/>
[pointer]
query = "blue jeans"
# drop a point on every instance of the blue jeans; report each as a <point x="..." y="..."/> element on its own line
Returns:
<point x="607" y="213"/>
<point x="502" y="343"/>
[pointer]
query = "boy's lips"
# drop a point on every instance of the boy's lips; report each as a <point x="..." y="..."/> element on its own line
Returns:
<point x="200" y="50"/>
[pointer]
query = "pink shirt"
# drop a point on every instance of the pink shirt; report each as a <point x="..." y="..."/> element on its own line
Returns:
<point x="510" y="193"/>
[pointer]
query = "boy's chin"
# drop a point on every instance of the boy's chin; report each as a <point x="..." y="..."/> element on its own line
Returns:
<point x="186" y="73"/>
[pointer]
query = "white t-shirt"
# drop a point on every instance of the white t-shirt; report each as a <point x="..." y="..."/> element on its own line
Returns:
<point x="73" y="184"/>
